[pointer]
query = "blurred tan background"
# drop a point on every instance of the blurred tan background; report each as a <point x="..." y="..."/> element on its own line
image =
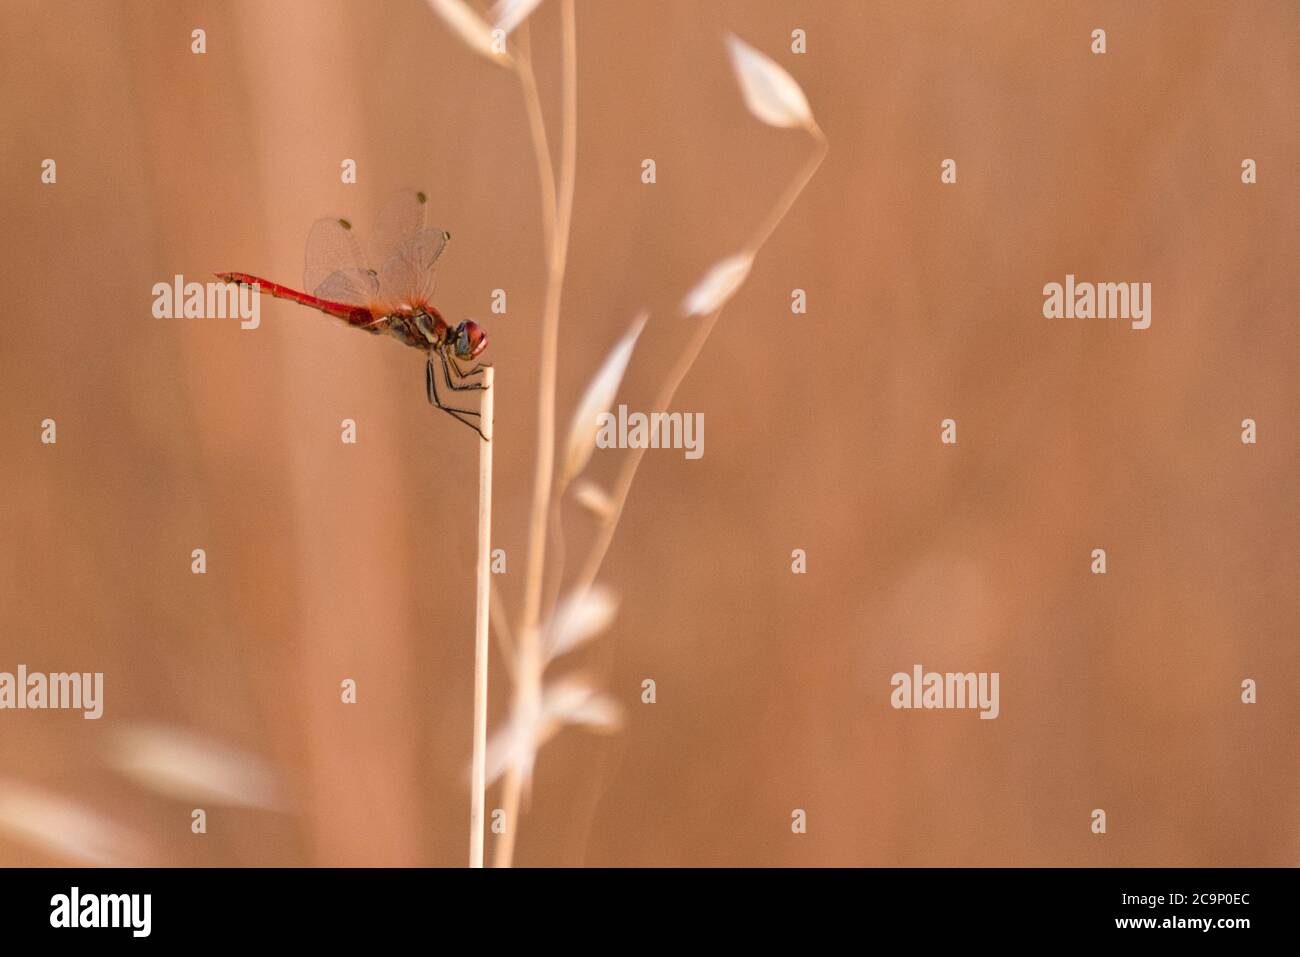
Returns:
<point x="328" y="561"/>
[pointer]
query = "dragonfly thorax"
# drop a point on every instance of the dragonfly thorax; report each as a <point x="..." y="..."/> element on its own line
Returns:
<point x="431" y="326"/>
<point x="424" y="328"/>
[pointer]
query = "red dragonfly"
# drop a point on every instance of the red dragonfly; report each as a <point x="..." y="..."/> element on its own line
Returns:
<point x="390" y="295"/>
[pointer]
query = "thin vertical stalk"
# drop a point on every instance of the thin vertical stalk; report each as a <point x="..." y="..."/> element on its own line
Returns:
<point x="541" y="146"/>
<point x="528" y="684"/>
<point x="478" y="768"/>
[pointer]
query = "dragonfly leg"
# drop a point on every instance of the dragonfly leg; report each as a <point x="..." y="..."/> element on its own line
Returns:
<point x="446" y="371"/>
<point x="431" y="385"/>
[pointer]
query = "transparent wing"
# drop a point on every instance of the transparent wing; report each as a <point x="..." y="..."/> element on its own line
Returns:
<point x="409" y="274"/>
<point x="400" y="219"/>
<point x="352" y="287"/>
<point x="334" y="267"/>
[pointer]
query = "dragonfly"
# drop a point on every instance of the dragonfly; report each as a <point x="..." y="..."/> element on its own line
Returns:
<point x="388" y="291"/>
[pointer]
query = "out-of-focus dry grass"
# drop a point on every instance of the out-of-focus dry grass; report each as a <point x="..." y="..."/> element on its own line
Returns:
<point x="329" y="561"/>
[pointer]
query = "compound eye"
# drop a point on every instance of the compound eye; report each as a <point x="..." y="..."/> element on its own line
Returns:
<point x="477" y="338"/>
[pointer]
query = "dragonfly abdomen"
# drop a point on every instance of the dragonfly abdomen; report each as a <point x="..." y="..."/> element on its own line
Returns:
<point x="352" y="315"/>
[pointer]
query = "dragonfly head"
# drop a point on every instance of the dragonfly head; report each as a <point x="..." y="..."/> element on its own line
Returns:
<point x="470" y="340"/>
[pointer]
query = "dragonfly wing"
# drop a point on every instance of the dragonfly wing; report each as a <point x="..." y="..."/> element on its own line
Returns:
<point x="401" y="218"/>
<point x="355" y="287"/>
<point x="409" y="274"/>
<point x="334" y="257"/>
